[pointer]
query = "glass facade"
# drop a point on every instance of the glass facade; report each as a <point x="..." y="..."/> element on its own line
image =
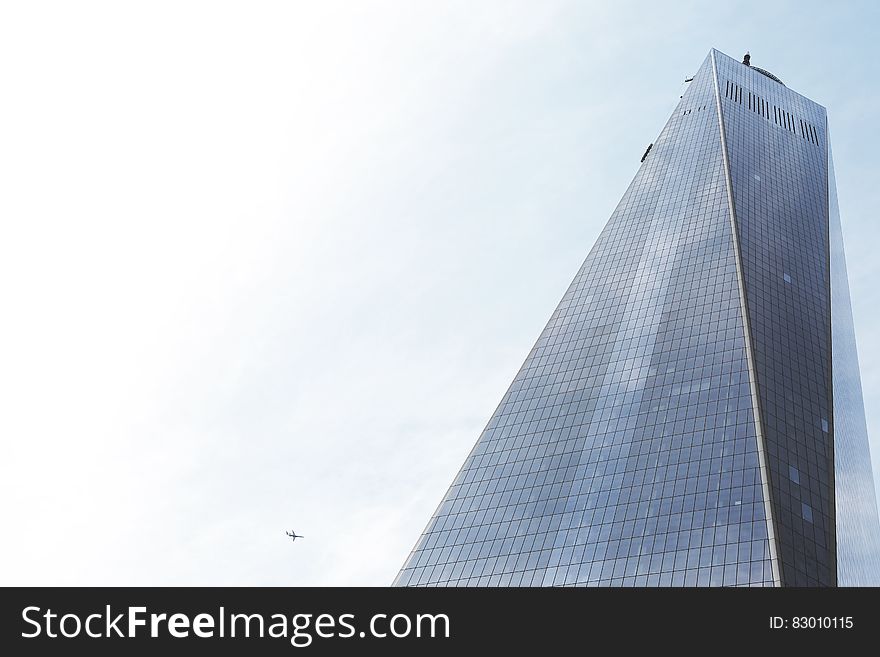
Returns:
<point x="779" y="181"/>
<point x="673" y="424"/>
<point x="858" y="532"/>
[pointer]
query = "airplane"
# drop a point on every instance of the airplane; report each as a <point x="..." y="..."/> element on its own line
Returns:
<point x="294" y="536"/>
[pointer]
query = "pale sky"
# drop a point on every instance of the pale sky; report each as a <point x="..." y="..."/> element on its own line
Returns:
<point x="270" y="266"/>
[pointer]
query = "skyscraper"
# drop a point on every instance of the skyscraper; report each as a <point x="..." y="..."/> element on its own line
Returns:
<point x="692" y="413"/>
